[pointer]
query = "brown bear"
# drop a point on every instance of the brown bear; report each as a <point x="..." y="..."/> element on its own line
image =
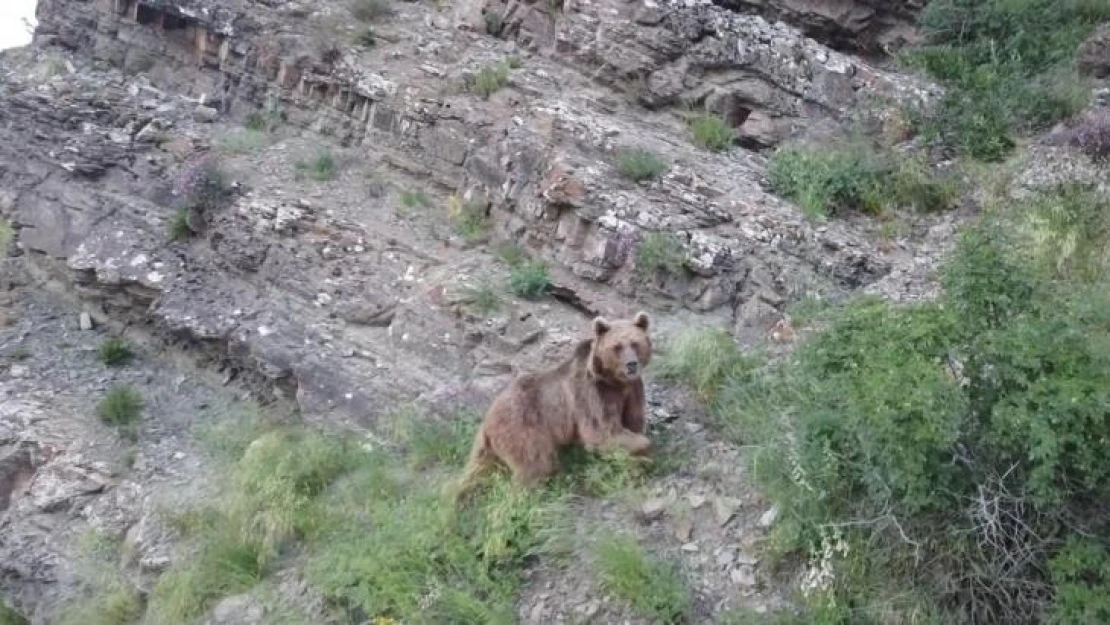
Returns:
<point x="595" y="397"/>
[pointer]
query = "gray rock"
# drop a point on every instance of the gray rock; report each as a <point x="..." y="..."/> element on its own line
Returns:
<point x="85" y="321"/>
<point x="1094" y="55"/>
<point x="205" y="114"/>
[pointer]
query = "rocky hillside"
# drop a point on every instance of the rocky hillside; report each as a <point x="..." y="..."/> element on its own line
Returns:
<point x="363" y="217"/>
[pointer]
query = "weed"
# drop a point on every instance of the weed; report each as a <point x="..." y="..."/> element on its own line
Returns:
<point x="371" y="10"/>
<point x="178" y="229"/>
<point x="121" y="408"/>
<point x="110" y="599"/>
<point x="510" y="254"/>
<point x="490" y="80"/>
<point x="366" y="38"/>
<point x="114" y="352"/>
<point x="706" y="360"/>
<point x="640" y="164"/>
<point x="711" y="132"/>
<point x="470" y="220"/>
<point x="824" y="180"/>
<point x="414" y="199"/>
<point x="913" y="445"/>
<point x="529" y="279"/>
<point x="9" y="616"/>
<point x="1007" y="65"/>
<point x="242" y="142"/>
<point x="660" y="252"/>
<point x="7" y="234"/>
<point x="322" y="168"/>
<point x="514" y="62"/>
<point x="483" y="297"/>
<point x="654" y="589"/>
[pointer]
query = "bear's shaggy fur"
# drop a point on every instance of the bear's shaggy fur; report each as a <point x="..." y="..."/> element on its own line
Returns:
<point x="595" y="397"/>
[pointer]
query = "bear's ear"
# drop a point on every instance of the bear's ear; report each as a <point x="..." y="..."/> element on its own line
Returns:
<point x="601" y="326"/>
<point x="642" y="320"/>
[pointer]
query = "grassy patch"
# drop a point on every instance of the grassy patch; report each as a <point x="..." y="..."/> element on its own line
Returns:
<point x="415" y="199"/>
<point x="908" y="447"/>
<point x="483" y="297"/>
<point x="1008" y="66"/>
<point x="371" y="10"/>
<point x="323" y="167"/>
<point x="660" y="252"/>
<point x="639" y="164"/>
<point x="7" y="235"/>
<point x="823" y="180"/>
<point x="470" y="219"/>
<point x="121" y="408"/>
<point x="489" y="80"/>
<point x="706" y="360"/>
<point x="178" y="229"/>
<point x="114" y="352"/>
<point x="111" y="600"/>
<point x="242" y="141"/>
<point x="529" y="279"/>
<point x="654" y="589"/>
<point x="9" y="616"/>
<point x="711" y="132"/>
<point x="510" y="254"/>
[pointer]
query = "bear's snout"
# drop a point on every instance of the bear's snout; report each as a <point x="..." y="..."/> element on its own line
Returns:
<point x="632" y="367"/>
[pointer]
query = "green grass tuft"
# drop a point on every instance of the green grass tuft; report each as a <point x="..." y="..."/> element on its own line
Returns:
<point x="712" y="132"/>
<point x="114" y="352"/>
<point x="654" y="589"/>
<point x="7" y="235"/>
<point x="490" y="80"/>
<point x="484" y="297"/>
<point x="121" y="408"/>
<point x="639" y="164"/>
<point x="179" y="226"/>
<point x="529" y="279"/>
<point x="660" y="252"/>
<point x="321" y="168"/>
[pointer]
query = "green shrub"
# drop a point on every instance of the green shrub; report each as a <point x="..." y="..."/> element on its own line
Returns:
<point x="121" y="408"/>
<point x="712" y="132"/>
<point x="471" y="222"/>
<point x="178" y="229"/>
<point x="9" y="616"/>
<point x="322" y="168"/>
<point x="484" y="297"/>
<point x="824" y="180"/>
<point x="660" y="252"/>
<point x="415" y="199"/>
<point x="7" y="234"/>
<point x="652" y="588"/>
<point x="1006" y="65"/>
<point x="941" y="454"/>
<point x="490" y="80"/>
<point x="371" y="10"/>
<point x="114" y="351"/>
<point x="639" y="164"/>
<point x="529" y="279"/>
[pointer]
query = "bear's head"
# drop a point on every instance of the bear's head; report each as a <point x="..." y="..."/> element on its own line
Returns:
<point x="621" y="349"/>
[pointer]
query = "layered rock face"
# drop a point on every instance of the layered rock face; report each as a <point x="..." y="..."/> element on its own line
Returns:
<point x="319" y="292"/>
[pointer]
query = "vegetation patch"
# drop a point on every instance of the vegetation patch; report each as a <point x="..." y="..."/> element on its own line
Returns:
<point x="660" y="252"/>
<point x="7" y="235"/>
<point x="824" y="180"/>
<point x="114" y="352"/>
<point x="111" y="599"/>
<point x="944" y="458"/>
<point x="653" y="588"/>
<point x="712" y="132"/>
<point x="178" y="229"/>
<point x="371" y="10"/>
<point x="1008" y="66"/>
<point x="121" y="408"/>
<point x="471" y="219"/>
<point x="530" y="279"/>
<point x="490" y="80"/>
<point x="322" y="168"/>
<point x="484" y="297"/>
<point x="638" y="164"/>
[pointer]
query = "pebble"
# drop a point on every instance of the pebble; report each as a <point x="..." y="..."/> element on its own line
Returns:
<point x="85" y="321"/>
<point x="767" y="519"/>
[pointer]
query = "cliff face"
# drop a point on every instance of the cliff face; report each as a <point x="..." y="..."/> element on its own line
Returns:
<point x="346" y="295"/>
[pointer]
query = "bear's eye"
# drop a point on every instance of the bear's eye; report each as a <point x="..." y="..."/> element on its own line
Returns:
<point x="616" y="349"/>
<point x="636" y="345"/>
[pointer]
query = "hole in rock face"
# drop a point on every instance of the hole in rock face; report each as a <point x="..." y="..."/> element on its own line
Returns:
<point x="736" y="115"/>
<point x="147" y="15"/>
<point x="16" y="470"/>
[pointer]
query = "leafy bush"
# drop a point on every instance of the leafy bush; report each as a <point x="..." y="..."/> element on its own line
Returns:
<point x="1006" y="64"/>
<point x="639" y="164"/>
<point x="529" y="279"/>
<point x="824" y="180"/>
<point x="711" y="132"/>
<point x="951" y="447"/>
